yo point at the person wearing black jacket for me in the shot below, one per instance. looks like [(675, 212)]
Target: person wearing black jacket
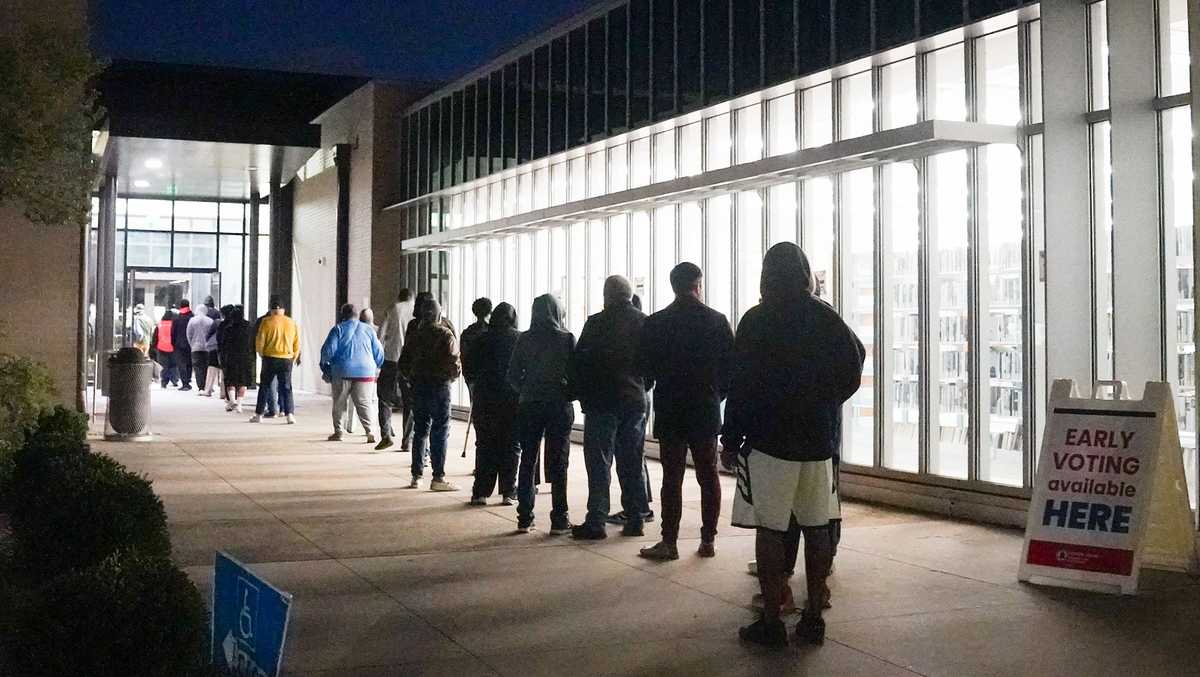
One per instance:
[(183, 348), (795, 364), (613, 396), (430, 362), (481, 308), (494, 407), (685, 349)]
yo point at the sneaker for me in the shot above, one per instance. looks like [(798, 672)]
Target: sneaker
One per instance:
[(185, 389), (619, 518), (229, 406), (752, 567), (772, 634), (561, 528), (269, 414), (256, 418), (478, 501), (661, 551), (588, 532), (371, 439), (237, 408), (291, 419), (524, 527), (810, 629), (633, 530), (706, 549), (336, 437), (415, 483), (509, 500), (385, 443), (442, 485)]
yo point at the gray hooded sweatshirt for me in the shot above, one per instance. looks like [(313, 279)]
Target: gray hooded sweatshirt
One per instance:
[(538, 369)]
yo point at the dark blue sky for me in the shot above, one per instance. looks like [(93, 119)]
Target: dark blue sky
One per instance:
[(397, 39)]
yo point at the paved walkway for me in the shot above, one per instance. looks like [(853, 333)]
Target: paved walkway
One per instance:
[(390, 581)]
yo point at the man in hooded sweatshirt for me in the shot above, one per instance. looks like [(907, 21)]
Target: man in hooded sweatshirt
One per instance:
[(613, 396), (795, 364), (350, 359), (391, 391), (538, 371), (430, 361), (179, 341), (494, 408), (197, 336)]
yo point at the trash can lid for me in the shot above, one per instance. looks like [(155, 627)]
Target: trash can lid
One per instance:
[(127, 355)]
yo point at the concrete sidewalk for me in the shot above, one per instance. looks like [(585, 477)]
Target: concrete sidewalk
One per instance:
[(390, 580)]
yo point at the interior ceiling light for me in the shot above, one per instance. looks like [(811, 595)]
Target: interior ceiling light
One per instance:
[(141, 183), (153, 163)]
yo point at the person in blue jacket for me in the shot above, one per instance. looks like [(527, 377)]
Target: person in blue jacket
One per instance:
[(350, 362)]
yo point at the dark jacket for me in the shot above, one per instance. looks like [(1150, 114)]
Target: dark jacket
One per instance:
[(603, 367), (540, 361), (685, 348), (430, 354), (795, 364), (179, 327), (235, 346), (467, 344), (491, 357)]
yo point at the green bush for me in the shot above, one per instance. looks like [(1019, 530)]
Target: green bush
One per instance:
[(58, 432), (26, 390), (131, 614), (79, 508)]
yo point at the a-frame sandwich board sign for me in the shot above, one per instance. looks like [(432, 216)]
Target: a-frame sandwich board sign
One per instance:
[(1110, 495)]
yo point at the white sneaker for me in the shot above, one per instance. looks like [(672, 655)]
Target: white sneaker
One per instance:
[(415, 483), (441, 485), (237, 408), (256, 419), (229, 406), (291, 419)]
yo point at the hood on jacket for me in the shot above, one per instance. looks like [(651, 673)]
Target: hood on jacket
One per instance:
[(504, 316), (546, 314), (786, 274), (430, 312)]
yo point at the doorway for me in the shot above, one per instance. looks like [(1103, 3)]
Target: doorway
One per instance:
[(161, 289)]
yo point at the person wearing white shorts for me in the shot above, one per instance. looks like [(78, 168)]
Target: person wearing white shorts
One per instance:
[(795, 363)]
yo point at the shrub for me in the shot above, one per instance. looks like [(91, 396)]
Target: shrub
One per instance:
[(58, 432), (82, 508), (131, 614), (26, 390)]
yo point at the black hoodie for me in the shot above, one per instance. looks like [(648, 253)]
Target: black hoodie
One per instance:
[(542, 355), (492, 353)]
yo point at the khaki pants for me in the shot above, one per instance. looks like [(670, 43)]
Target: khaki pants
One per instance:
[(362, 394)]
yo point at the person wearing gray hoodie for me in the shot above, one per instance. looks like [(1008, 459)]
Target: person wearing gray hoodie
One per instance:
[(538, 371)]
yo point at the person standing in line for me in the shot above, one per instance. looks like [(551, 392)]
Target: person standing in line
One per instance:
[(183, 348), (278, 342), (795, 364), (539, 372), (164, 349), (494, 408), (350, 360), (269, 391), (197, 334), (215, 377), (685, 349), (613, 397), (430, 361), (142, 329), (481, 308), (618, 518), (391, 332), (236, 357)]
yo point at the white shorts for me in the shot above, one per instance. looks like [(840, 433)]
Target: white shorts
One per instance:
[(771, 491)]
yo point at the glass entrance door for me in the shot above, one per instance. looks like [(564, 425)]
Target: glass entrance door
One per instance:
[(158, 290)]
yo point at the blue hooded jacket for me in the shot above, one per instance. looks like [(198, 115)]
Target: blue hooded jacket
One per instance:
[(352, 350)]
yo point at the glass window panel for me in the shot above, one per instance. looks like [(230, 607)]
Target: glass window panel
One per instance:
[(497, 254), (816, 116), (817, 233), (618, 71), (858, 309), (541, 188), (781, 121), (579, 175), (894, 23), (946, 88), (447, 136), (469, 113), (456, 137), (749, 249), (982, 8), (526, 115), (524, 192), (495, 200), (483, 125), (950, 372), (232, 217), (781, 213), (639, 162), (1002, 459), (718, 269), (481, 204), (664, 256), (687, 51), (691, 233), (779, 40), (541, 101), (595, 178), (468, 207), (1102, 224), (718, 144), (664, 155), (618, 249), (558, 95), (597, 267), (541, 262), (663, 70), (511, 115), (940, 15), (510, 196), (618, 168), (1000, 90), (1035, 71), (524, 273), (1173, 47), (815, 29), (577, 87), (558, 263), (427, 148), (264, 275), (195, 250), (903, 390), (747, 47), (577, 305), (899, 84), (1180, 272), (1098, 54), (717, 73), (597, 87), (147, 214), (148, 249), (639, 63), (639, 256), (231, 267), (691, 150), (853, 26), (749, 134), (264, 218), (558, 183), (857, 106)]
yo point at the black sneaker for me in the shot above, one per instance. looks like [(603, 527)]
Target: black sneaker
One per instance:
[(619, 518), (185, 388), (588, 532), (524, 527), (633, 530), (810, 629), (766, 633), (269, 414), (560, 528)]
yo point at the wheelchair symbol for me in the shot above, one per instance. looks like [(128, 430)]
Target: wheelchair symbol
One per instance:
[(248, 614)]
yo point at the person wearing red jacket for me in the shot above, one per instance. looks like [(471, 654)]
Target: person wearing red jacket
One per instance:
[(164, 350)]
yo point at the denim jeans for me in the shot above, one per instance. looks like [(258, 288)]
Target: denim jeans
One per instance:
[(551, 421), (276, 371), (615, 434), (431, 419)]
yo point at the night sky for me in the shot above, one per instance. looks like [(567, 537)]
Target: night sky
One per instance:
[(433, 40)]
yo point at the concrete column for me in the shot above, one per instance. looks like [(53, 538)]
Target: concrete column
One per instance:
[(282, 204), (252, 254), (342, 162), (1069, 328), (1137, 228), (106, 254)]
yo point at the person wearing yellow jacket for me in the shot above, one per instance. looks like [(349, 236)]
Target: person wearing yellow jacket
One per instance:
[(278, 342)]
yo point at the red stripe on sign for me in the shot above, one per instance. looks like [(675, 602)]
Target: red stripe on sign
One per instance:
[(1081, 557)]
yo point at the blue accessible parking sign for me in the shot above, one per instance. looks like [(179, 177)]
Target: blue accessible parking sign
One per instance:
[(249, 620)]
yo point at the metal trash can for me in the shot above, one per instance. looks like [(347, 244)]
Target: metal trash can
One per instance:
[(128, 414)]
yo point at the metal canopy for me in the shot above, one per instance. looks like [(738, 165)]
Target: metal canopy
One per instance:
[(895, 145)]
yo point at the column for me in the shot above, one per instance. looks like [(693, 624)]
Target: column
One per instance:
[(252, 254), (106, 254)]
